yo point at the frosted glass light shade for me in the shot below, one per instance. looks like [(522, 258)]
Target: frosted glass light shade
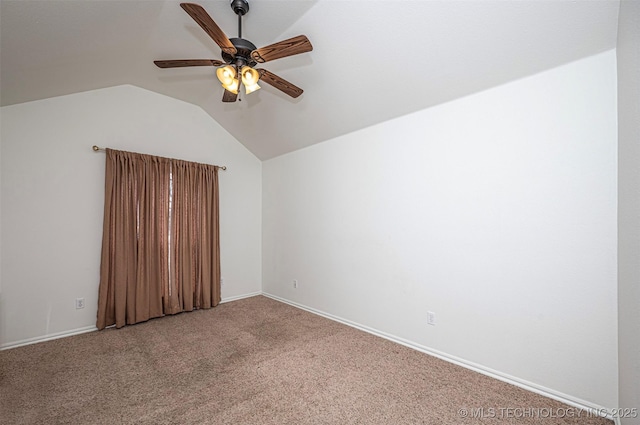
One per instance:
[(249, 76), (250, 79), (233, 87), (226, 74)]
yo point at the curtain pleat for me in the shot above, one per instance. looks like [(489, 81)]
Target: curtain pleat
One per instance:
[(160, 246), (196, 235)]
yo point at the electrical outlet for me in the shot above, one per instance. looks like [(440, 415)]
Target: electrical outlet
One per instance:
[(222, 281), (79, 303), (431, 318), (295, 283)]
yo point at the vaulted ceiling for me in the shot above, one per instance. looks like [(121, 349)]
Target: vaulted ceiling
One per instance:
[(372, 60)]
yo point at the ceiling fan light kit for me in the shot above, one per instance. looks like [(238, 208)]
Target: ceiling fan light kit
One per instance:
[(240, 56), (228, 77)]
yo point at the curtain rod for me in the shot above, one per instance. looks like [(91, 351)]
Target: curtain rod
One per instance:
[(98, 148)]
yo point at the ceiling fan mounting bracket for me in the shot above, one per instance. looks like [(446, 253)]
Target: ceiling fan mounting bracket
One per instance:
[(240, 7)]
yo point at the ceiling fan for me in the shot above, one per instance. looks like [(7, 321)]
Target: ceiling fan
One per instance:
[(240, 55)]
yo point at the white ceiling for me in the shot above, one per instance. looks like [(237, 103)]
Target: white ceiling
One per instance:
[(372, 60)]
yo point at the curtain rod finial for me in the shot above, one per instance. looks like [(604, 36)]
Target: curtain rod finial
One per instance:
[(95, 148)]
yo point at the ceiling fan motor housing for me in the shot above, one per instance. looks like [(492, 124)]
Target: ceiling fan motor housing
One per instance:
[(243, 54), (240, 7)]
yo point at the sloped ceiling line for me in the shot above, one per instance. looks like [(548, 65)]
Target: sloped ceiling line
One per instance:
[(372, 61)]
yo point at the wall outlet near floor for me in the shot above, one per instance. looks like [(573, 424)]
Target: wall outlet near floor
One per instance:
[(295, 283), (79, 303), (431, 318), (222, 281)]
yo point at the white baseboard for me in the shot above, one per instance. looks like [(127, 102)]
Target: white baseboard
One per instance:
[(239, 297), (538, 389), (86, 329), (529, 386), (47, 337)]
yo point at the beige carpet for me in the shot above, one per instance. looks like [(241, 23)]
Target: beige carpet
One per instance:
[(253, 361)]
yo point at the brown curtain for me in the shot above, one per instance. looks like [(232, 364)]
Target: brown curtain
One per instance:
[(160, 242)]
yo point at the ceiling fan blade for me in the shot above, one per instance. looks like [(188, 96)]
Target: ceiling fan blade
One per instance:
[(279, 83), (281, 49), (179, 63), (209, 26), (229, 97)]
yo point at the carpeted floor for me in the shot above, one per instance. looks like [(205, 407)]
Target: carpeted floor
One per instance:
[(254, 361)]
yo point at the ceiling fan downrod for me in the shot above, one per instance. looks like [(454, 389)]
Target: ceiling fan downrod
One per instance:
[(243, 47), (240, 8)]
